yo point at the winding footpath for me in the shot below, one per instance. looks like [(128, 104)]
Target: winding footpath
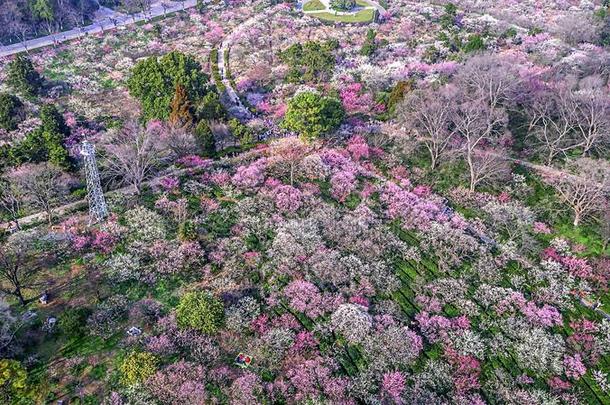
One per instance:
[(107, 19), (236, 106)]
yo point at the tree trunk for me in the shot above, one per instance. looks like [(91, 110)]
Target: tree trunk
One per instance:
[(19, 296), (576, 219), (472, 173)]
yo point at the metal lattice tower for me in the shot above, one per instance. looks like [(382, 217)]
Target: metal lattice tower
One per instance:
[(98, 210)]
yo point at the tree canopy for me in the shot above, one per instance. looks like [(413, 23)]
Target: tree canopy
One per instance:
[(154, 80), (309, 61), (45, 143), (23, 77), (10, 111), (311, 115)]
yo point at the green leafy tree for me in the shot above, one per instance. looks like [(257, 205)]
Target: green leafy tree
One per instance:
[(11, 111), (137, 367), (72, 321), (342, 5), (13, 381), (210, 108), (242, 132), (201, 311), (311, 115), (45, 143), (205, 139), (370, 45), (22, 76), (43, 10), (311, 61), (153, 82)]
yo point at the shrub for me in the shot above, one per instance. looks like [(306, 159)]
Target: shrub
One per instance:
[(342, 5), (201, 311), (188, 231), (73, 320), (13, 381), (137, 367)]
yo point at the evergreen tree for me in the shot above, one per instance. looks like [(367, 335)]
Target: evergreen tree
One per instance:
[(370, 46), (311, 115), (154, 80), (205, 139), (45, 143), (180, 114), (11, 111), (311, 61), (242, 132), (210, 108), (448, 19), (43, 10), (475, 43), (22, 76)]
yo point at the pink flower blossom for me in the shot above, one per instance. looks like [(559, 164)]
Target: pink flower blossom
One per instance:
[(541, 228), (342, 184), (169, 183), (544, 316), (288, 198), (358, 148), (250, 176), (194, 161), (574, 368), (393, 384), (557, 384), (304, 297)]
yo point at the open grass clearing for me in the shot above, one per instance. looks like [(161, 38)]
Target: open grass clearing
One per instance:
[(313, 5)]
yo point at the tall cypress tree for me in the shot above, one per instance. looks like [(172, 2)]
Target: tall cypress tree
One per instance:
[(180, 109)]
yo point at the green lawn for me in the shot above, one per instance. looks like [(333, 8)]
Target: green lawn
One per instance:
[(359, 17), (313, 5)]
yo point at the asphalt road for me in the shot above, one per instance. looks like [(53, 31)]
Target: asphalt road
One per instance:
[(107, 20)]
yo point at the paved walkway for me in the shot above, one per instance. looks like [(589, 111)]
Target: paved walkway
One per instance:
[(106, 19), (237, 108)]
